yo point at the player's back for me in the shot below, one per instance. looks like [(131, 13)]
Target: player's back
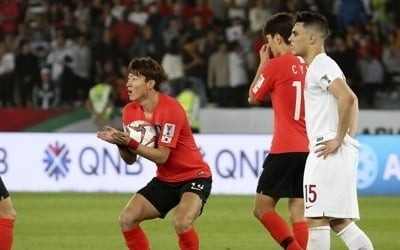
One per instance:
[(288, 104)]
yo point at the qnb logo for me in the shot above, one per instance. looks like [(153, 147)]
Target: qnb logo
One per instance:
[(367, 167), (57, 161)]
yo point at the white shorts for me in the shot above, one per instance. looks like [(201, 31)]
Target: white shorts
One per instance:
[(330, 184)]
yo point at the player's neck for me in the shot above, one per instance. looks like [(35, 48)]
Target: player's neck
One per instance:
[(313, 53), (150, 102), (283, 50)]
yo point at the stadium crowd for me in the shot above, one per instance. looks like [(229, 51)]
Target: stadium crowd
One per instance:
[(53, 51)]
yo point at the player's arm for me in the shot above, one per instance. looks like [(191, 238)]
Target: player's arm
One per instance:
[(129, 148), (127, 154), (347, 108), (121, 140), (354, 119), (157, 155), (264, 56)]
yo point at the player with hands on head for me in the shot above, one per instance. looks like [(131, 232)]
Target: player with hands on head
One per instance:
[(281, 74), (330, 175), (183, 179)]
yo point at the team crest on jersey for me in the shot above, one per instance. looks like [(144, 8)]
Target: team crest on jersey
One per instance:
[(168, 132), (326, 79)]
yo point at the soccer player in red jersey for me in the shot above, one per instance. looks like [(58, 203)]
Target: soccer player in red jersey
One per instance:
[(281, 74), (183, 179), (7, 217)]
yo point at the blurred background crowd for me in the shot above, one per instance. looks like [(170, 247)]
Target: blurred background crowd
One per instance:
[(52, 52)]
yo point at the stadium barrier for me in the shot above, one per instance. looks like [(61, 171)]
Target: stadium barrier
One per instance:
[(80, 162), (260, 121)]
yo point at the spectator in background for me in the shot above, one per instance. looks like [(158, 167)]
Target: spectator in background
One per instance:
[(199, 8), (391, 59), (194, 67), (59, 59), (172, 62), (122, 93), (147, 44), (190, 102), (118, 10), (125, 33), (100, 104), (82, 67), (82, 11), (10, 12), (38, 41), (257, 16), (7, 67), (196, 28), (45, 95), (372, 76), (104, 50), (173, 30), (27, 68), (218, 75), (238, 78), (137, 14), (346, 57), (351, 12)]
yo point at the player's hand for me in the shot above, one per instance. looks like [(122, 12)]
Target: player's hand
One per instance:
[(107, 134), (121, 138), (327, 147), (265, 53)]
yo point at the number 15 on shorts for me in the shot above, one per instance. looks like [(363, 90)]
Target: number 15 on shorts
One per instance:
[(310, 193)]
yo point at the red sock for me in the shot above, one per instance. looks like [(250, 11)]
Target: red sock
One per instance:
[(300, 231), (136, 239), (6, 233), (188, 240), (279, 230)]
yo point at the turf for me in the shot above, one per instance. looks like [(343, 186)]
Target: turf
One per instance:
[(85, 221)]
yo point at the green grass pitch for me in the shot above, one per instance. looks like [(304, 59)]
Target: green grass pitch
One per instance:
[(86, 221)]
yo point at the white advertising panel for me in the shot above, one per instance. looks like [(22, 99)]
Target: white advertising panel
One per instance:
[(81, 162)]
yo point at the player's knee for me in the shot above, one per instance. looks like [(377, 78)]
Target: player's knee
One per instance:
[(9, 214), (126, 222), (259, 212), (182, 223)]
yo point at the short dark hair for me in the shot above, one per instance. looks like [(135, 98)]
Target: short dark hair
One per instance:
[(314, 19), (280, 23), (149, 68)]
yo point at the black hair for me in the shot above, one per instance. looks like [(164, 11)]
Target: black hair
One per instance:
[(149, 68), (281, 24), (315, 20)]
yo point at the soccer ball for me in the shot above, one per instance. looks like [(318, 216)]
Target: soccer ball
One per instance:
[(143, 132)]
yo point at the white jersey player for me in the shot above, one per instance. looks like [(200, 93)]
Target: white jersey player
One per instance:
[(331, 111)]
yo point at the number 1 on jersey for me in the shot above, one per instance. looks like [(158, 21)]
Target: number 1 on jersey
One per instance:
[(297, 85)]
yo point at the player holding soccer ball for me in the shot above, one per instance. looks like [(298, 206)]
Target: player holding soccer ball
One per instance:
[(282, 177), (7, 217), (183, 179)]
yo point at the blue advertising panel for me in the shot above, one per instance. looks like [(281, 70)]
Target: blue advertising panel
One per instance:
[(379, 165)]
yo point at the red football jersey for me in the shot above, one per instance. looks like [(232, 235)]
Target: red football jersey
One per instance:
[(185, 161), (284, 78)]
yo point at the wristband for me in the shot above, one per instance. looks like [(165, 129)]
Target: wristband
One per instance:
[(133, 144)]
